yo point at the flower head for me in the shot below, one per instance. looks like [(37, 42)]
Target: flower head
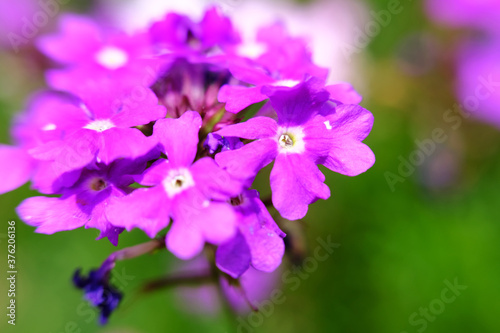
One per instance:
[(310, 130), (193, 195), (98, 290)]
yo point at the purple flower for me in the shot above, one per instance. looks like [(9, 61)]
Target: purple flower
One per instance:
[(310, 130), (286, 62), (40, 123), (179, 33), (193, 195), (258, 242), (479, 14), (86, 202), (477, 55), (98, 127), (98, 290), (244, 295), (478, 75), (89, 52)]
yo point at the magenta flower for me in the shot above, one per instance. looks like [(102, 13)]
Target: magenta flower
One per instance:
[(458, 13), (258, 242), (310, 130), (478, 87), (285, 62), (99, 126), (103, 146), (40, 123), (476, 55), (90, 52), (193, 195), (86, 202), (179, 33)]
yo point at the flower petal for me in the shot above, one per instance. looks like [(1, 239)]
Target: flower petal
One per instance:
[(254, 128), (351, 121), (233, 257), (295, 106), (213, 181), (145, 208), (244, 163), (75, 152), (124, 143), (184, 240), (139, 109), (349, 157), (179, 137), (238, 98), (78, 38), (217, 222), (51, 215), (344, 93), (296, 182), (16, 166)]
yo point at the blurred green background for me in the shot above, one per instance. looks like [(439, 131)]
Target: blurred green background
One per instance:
[(397, 247)]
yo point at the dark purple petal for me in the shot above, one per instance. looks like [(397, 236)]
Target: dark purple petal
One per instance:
[(216, 143), (233, 257), (295, 106)]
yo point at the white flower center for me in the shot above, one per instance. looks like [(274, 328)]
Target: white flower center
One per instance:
[(291, 140), (177, 180), (100, 125), (49, 127), (251, 49), (286, 83), (111, 57), (286, 141)]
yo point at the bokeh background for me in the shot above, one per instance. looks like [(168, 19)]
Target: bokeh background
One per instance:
[(398, 244)]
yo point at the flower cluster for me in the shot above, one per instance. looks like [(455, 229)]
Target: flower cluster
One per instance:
[(478, 68), (168, 128)]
